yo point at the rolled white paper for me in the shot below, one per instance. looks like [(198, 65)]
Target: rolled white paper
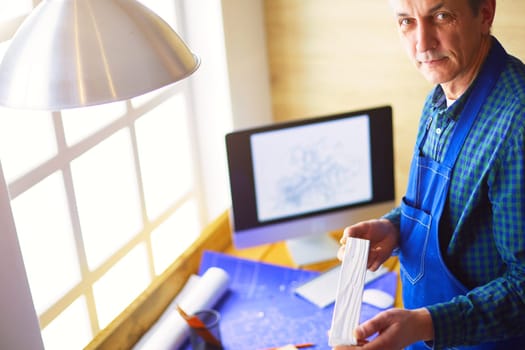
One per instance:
[(171, 331)]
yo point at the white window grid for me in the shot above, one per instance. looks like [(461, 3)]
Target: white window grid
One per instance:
[(61, 166)]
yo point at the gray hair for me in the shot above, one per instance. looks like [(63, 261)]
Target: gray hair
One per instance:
[(475, 5)]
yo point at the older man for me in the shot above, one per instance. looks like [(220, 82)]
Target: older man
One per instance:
[(460, 229)]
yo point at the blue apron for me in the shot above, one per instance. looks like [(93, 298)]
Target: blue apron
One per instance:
[(425, 277)]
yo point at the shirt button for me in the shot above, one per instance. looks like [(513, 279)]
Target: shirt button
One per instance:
[(439, 131)]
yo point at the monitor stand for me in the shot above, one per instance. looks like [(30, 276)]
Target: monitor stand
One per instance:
[(313, 249)]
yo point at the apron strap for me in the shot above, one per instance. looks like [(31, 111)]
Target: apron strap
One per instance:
[(484, 84)]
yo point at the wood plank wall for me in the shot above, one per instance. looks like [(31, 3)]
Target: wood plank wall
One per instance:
[(328, 56)]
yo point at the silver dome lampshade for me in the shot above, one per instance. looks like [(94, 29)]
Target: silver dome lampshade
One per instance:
[(74, 53)]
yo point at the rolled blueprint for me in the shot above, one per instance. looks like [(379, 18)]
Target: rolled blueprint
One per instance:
[(171, 331)]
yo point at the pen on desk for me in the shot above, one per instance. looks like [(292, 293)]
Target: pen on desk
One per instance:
[(298, 346), (199, 327)]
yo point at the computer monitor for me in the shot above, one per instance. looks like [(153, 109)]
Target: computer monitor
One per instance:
[(306, 178)]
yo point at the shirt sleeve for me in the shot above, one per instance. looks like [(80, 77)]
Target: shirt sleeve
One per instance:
[(495, 310), (394, 216)]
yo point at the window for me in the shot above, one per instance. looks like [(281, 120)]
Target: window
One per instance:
[(104, 198)]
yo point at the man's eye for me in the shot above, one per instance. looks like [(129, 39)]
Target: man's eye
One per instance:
[(404, 21), (442, 16)]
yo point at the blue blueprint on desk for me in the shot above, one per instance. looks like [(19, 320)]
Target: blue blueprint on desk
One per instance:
[(261, 310)]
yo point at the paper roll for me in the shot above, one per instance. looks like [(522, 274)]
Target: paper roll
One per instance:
[(171, 331)]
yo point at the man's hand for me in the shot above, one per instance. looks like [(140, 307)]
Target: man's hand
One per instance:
[(396, 329), (383, 237)]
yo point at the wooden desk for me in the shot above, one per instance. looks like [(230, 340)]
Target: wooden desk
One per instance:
[(132, 323)]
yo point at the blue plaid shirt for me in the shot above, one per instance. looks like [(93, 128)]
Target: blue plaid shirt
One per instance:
[(482, 231)]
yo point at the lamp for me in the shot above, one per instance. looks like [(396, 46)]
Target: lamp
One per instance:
[(67, 54), (74, 53)]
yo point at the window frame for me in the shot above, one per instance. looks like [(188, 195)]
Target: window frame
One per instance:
[(61, 163), (236, 107)]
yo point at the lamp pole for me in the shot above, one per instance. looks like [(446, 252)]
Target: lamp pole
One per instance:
[(19, 327)]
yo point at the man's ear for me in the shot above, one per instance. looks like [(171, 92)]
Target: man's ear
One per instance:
[(487, 12)]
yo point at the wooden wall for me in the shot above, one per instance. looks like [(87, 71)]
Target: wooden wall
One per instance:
[(328, 56)]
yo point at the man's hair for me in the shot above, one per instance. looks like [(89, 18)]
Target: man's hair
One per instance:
[(475, 5)]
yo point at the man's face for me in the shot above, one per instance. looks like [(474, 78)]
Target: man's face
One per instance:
[(443, 37)]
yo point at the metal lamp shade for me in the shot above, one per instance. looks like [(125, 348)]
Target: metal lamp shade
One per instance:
[(74, 53)]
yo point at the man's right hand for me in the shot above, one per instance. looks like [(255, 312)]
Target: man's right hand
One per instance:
[(382, 234)]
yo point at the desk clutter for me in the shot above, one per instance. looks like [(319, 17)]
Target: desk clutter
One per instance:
[(171, 332), (258, 304)]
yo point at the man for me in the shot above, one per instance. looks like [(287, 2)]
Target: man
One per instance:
[(460, 229)]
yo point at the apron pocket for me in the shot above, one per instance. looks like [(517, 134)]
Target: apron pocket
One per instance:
[(415, 234)]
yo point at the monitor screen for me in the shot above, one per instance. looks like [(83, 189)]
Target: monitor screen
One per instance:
[(310, 176)]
